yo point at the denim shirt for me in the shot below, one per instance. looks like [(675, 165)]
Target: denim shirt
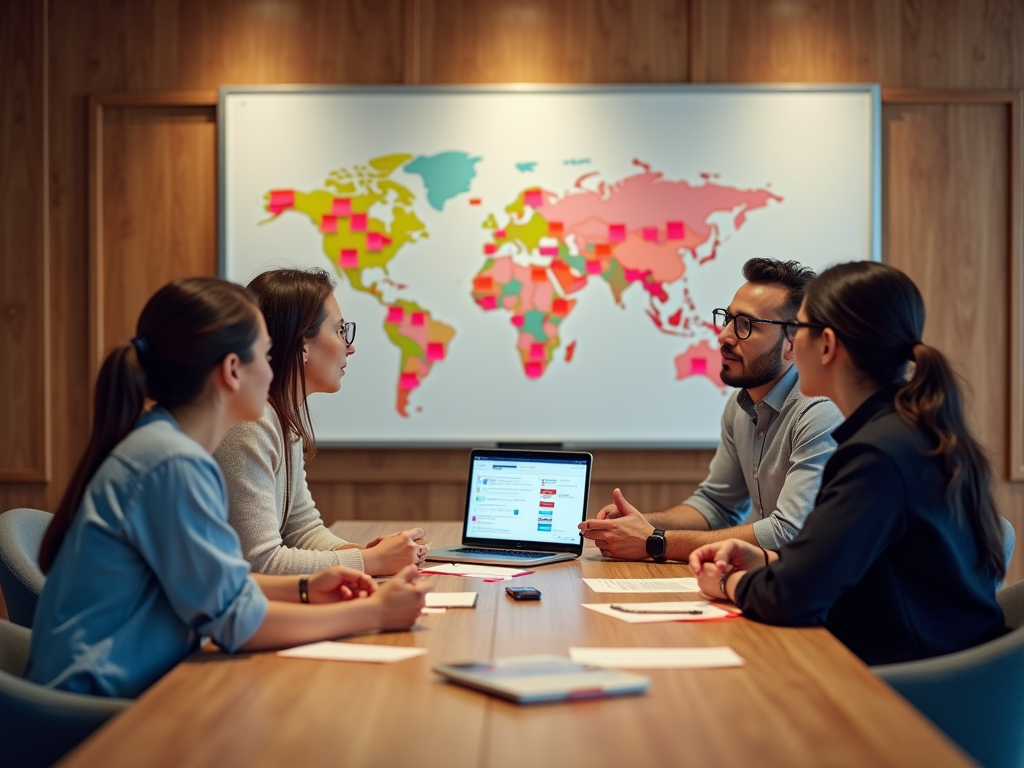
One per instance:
[(149, 566), (769, 461)]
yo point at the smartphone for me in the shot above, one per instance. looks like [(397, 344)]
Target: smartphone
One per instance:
[(523, 593)]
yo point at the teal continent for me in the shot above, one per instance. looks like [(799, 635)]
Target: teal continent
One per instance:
[(526, 167), (445, 175)]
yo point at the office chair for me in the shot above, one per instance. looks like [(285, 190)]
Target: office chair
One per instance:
[(975, 696), (21, 533), (40, 725), (1011, 599), (1009, 538)]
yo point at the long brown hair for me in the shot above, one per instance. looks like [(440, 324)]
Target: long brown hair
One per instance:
[(183, 333), (294, 305), (878, 314)]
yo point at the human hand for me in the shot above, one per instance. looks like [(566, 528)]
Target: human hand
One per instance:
[(389, 554), (401, 599), (609, 512), (622, 535), (712, 561), (339, 583)]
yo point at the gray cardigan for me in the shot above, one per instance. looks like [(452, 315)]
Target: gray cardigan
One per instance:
[(251, 456)]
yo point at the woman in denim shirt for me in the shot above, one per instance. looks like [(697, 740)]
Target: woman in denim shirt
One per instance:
[(142, 563)]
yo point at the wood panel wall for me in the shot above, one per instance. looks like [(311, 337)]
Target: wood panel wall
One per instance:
[(947, 216)]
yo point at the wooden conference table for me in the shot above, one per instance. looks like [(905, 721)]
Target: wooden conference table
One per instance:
[(801, 699)]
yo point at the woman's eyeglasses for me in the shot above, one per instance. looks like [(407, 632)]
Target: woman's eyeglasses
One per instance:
[(348, 331)]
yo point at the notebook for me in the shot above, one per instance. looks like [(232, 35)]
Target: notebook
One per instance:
[(522, 508), (536, 679)]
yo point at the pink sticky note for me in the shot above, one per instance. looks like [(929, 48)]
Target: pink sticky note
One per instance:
[(651, 234), (341, 206), (282, 198), (616, 232), (358, 222), (533, 198), (435, 351), (699, 366), (417, 318), (408, 381), (395, 314), (328, 223), (549, 250), (490, 248), (518, 321), (374, 241), (675, 230), (534, 370), (537, 352), (488, 302), (499, 234), (349, 258), (594, 268)]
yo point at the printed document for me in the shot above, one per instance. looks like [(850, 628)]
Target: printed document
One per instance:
[(657, 658), (332, 651), (643, 585)]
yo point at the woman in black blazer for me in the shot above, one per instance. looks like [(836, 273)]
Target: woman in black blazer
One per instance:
[(902, 555)]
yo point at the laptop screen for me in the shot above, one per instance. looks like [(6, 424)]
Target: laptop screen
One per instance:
[(531, 498)]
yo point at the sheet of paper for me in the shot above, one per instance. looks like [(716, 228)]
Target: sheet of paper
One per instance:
[(657, 658), (643, 585), (332, 651), (451, 599), (472, 570), (430, 609), (702, 612)]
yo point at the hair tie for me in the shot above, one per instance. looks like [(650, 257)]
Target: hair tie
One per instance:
[(141, 345), (911, 347)]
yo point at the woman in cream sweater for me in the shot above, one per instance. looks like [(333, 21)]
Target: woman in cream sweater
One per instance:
[(269, 503)]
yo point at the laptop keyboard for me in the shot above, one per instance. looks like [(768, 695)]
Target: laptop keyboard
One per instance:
[(500, 552)]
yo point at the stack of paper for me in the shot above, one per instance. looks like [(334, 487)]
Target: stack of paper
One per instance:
[(451, 599), (332, 651), (652, 613), (657, 658), (473, 571), (643, 585)]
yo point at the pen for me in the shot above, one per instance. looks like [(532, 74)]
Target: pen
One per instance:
[(627, 609)]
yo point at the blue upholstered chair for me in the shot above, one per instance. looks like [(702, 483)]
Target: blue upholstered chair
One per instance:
[(1009, 539), (39, 725), (21, 532), (975, 696)]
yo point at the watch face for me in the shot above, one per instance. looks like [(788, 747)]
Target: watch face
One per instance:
[(655, 545)]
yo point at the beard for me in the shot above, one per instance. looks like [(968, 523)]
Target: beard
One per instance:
[(756, 371)]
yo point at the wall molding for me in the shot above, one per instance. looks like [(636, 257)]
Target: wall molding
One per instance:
[(40, 471), (1013, 99), (98, 102)]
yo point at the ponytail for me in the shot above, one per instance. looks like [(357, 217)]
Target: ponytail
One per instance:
[(932, 401), (184, 331), (117, 404), (878, 314)]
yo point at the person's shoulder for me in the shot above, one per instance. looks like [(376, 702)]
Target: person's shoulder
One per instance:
[(157, 439), (264, 431), (816, 411), (887, 432)]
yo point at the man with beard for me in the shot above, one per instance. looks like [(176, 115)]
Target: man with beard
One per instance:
[(767, 470)]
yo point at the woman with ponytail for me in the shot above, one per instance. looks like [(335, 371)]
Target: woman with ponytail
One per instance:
[(142, 563), (902, 555)]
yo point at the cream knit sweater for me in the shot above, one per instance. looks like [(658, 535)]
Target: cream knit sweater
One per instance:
[(251, 456)]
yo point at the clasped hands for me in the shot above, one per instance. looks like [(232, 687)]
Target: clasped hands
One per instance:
[(713, 564), (388, 554)]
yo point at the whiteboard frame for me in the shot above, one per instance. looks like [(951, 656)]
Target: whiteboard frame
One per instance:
[(873, 90)]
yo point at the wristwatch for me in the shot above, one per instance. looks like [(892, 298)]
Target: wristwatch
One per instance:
[(656, 545)]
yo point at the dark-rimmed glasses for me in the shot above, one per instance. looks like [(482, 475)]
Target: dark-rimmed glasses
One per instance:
[(744, 324), (348, 331)]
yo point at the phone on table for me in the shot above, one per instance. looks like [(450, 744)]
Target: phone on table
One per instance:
[(523, 593)]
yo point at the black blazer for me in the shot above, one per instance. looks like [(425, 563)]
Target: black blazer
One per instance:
[(882, 561)]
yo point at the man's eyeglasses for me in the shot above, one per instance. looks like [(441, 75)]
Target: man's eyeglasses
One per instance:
[(744, 325), (348, 330)]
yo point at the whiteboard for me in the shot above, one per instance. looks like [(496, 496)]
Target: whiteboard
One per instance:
[(539, 264)]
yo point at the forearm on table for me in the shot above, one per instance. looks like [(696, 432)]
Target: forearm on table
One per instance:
[(287, 625), (681, 516), (281, 588), (679, 544)]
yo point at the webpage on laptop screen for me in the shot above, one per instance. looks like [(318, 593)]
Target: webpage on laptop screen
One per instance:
[(536, 500)]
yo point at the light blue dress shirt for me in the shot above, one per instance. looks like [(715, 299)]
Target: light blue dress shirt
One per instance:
[(148, 568), (767, 469)]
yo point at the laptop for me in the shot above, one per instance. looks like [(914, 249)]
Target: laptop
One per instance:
[(522, 508)]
